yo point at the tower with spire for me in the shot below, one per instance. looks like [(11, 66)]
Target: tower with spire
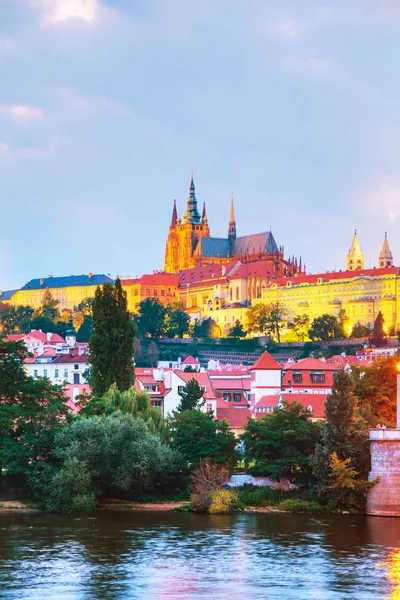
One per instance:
[(232, 224), (385, 257), (355, 256), (184, 235)]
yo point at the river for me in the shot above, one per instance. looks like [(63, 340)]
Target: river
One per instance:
[(151, 556)]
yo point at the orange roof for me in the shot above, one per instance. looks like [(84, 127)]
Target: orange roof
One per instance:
[(190, 360), (309, 364), (315, 401), (209, 273), (235, 417), (257, 268), (266, 363), (202, 379), (153, 279)]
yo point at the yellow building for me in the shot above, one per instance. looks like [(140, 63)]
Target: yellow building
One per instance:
[(6, 296), (161, 286), (68, 291), (361, 293)]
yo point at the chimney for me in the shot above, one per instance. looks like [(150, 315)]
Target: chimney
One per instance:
[(49, 336), (90, 275)]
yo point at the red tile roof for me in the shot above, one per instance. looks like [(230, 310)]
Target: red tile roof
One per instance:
[(202, 379), (266, 363), (315, 401), (207, 273), (162, 278), (190, 360), (257, 268), (73, 356), (309, 364), (235, 417)]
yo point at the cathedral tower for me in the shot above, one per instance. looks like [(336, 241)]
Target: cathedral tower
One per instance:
[(232, 224), (185, 235), (355, 256), (385, 257)]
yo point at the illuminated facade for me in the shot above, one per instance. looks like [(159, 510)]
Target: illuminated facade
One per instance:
[(68, 291), (361, 293), (189, 244), (161, 286)]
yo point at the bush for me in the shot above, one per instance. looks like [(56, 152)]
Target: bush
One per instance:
[(296, 505), (251, 495), (223, 502), (201, 501)]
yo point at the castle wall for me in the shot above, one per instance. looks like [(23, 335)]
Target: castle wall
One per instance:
[(384, 497)]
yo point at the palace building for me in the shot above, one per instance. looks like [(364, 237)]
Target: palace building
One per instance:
[(361, 293), (190, 244)]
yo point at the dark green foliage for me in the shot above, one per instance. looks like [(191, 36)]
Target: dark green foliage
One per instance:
[(199, 437), (191, 395), (112, 343), (281, 443), (151, 318), (85, 331), (16, 319), (324, 328), (43, 323), (208, 328), (176, 322), (237, 330), (344, 432), (152, 354), (112, 455), (378, 332), (360, 331)]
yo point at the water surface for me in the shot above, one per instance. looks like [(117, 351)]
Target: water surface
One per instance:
[(195, 557)]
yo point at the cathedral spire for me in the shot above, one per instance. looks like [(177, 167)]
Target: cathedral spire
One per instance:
[(355, 256), (204, 219), (232, 223), (385, 257), (192, 215), (174, 216)]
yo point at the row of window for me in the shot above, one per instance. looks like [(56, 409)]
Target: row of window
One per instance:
[(77, 377), (237, 396)]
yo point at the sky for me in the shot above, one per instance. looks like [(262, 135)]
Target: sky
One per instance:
[(292, 106)]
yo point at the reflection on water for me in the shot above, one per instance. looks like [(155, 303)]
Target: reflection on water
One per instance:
[(185, 556)]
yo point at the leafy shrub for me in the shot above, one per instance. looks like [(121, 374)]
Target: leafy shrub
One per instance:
[(251, 495), (223, 502), (208, 476), (201, 501), (297, 505)]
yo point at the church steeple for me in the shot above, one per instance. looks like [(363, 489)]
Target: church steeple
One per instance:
[(385, 257), (204, 219), (355, 256), (192, 215), (232, 224), (174, 219)]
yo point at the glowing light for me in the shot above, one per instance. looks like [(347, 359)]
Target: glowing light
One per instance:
[(398, 367), (393, 566)]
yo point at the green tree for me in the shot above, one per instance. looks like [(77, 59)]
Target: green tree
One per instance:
[(378, 332), (191, 395), (44, 323), (301, 325), (266, 319), (376, 388), (197, 436), (207, 328), (85, 331), (344, 432), (360, 331), (112, 343), (115, 455), (324, 328), (176, 321), (281, 443), (16, 319), (347, 488), (49, 307), (131, 401), (237, 330), (151, 318), (152, 354)]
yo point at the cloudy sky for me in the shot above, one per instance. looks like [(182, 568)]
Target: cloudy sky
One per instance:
[(106, 105)]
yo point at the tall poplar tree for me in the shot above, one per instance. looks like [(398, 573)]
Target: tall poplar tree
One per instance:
[(111, 346)]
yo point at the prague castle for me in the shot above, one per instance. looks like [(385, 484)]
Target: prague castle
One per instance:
[(189, 244)]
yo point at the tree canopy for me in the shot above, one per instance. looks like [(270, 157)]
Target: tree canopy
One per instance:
[(324, 328), (281, 443), (265, 319), (111, 346), (191, 396)]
